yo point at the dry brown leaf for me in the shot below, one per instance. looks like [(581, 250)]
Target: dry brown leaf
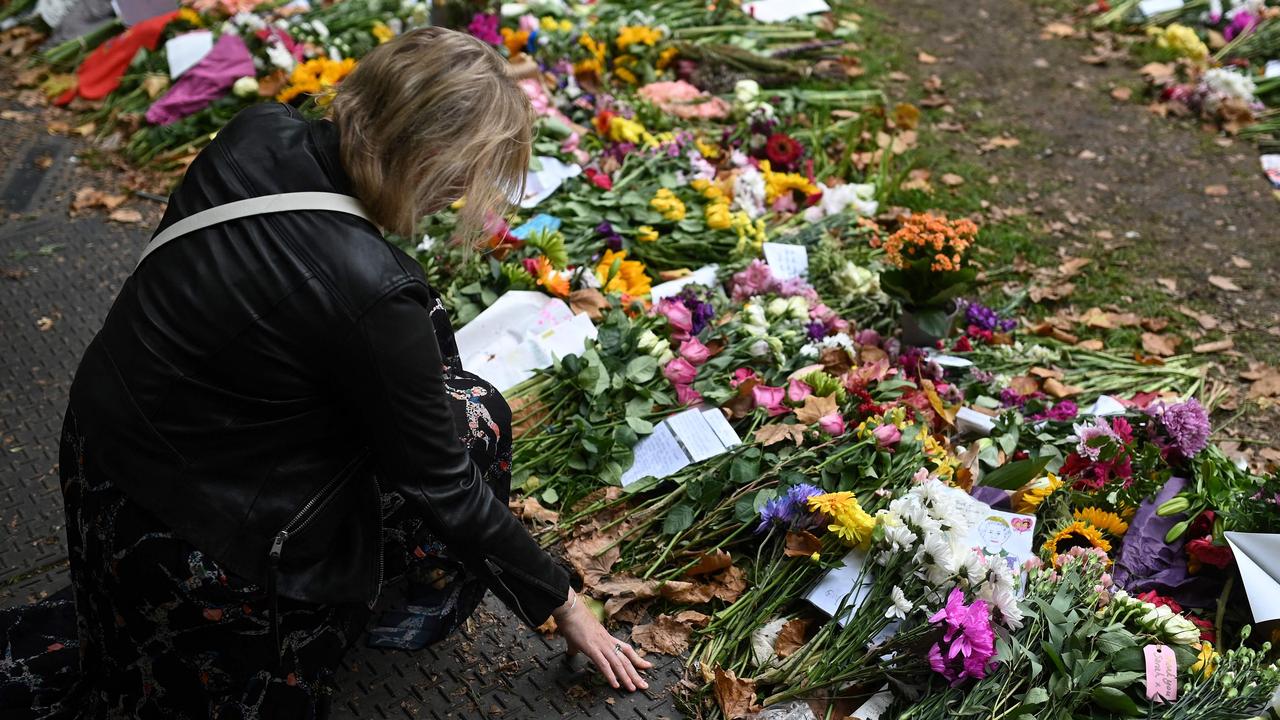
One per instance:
[(815, 408), (1059, 29), (688, 593), (999, 142), (1154, 325), (1224, 283), (1206, 321), (1056, 388), (1216, 190), (693, 618), (590, 301), (1159, 345), (1070, 267), (1095, 317), (712, 562), (1024, 385), (1215, 346), (664, 635), (906, 116), (770, 434), (154, 84), (792, 637), (1058, 291), (1267, 385), (592, 557), (531, 509), (1094, 345), (735, 696), (1121, 93), (126, 215), (1157, 71), (1045, 373), (925, 58), (1169, 284), (1240, 262), (730, 585), (802, 543), (952, 180)]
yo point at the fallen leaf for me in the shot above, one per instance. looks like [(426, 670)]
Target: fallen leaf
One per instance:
[(802, 543), (735, 696), (906, 116), (44, 324), (1169, 284), (1095, 317), (999, 142), (1215, 346), (1159, 345), (688, 593), (770, 434), (792, 637), (1059, 29), (1266, 386), (1157, 71), (664, 635), (154, 84), (590, 301), (1216, 190), (592, 556), (1206, 321), (1045, 373), (925, 58), (1240, 262), (1121, 93), (1056, 388), (1070, 267), (693, 618), (1224, 283), (712, 562), (1095, 345), (952, 180), (126, 215), (815, 408), (730, 585), (531, 509), (1024, 385)]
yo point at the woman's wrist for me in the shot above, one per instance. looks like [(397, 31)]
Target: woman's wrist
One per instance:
[(569, 604)]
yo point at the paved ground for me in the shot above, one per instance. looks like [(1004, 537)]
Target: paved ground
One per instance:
[(58, 276)]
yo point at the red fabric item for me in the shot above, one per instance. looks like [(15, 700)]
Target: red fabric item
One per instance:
[(101, 71)]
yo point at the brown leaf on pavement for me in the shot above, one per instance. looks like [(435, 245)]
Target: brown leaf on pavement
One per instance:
[(802, 543), (1224, 283), (664, 635), (925, 58), (1206, 321), (1267, 384), (592, 557), (44, 324), (1121, 93), (1159, 345), (730, 585), (996, 143), (693, 618), (735, 696), (771, 434), (1215, 346), (126, 215), (1216, 190)]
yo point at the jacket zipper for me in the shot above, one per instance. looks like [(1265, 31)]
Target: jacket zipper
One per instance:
[(497, 571), (530, 579), (377, 589), (310, 510)]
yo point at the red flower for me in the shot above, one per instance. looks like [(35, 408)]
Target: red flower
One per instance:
[(602, 122), (599, 179), (1202, 525), (1207, 631), (963, 345), (1158, 600), (1204, 551), (782, 150)]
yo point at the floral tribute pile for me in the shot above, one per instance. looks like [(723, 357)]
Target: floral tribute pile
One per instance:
[(1214, 59), (935, 509)]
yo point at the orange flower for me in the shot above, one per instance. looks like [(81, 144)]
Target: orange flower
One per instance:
[(554, 282), (944, 242)]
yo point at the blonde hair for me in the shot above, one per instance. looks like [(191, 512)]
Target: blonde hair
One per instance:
[(427, 119)]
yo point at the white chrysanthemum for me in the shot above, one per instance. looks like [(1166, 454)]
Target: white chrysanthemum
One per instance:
[(970, 567), (1224, 83), (835, 200), (749, 192), (1004, 601), (899, 537), (900, 606), (280, 56)]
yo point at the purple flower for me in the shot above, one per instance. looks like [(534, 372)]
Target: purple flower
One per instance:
[(1087, 438), (796, 286), (791, 509), (984, 318), (1061, 412), (1184, 426), (816, 330), (701, 311), (1243, 23)]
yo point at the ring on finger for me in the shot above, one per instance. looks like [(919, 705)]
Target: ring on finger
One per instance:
[(617, 647)]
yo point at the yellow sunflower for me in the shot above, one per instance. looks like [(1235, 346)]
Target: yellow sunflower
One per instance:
[(1077, 534), (1105, 521), (1034, 493)]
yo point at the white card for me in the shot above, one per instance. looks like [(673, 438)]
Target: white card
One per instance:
[(1003, 536), (839, 583), (787, 261), (951, 361), (875, 706), (184, 51), (1271, 167), (705, 275), (505, 323), (970, 421), (1105, 405), (540, 184), (1155, 7), (781, 10), (720, 425), (1272, 69), (567, 338), (1258, 557), (693, 432), (658, 455)]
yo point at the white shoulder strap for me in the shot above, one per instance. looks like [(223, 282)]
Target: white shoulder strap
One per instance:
[(265, 204)]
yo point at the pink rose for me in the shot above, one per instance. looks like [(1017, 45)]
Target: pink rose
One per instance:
[(678, 316), (686, 395), (680, 372), (769, 398), (694, 351), (887, 435), (742, 375), (831, 424), (798, 390)]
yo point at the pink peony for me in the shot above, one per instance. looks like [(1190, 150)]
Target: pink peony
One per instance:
[(887, 435), (680, 372), (831, 424), (694, 351), (686, 395), (798, 390), (769, 398)]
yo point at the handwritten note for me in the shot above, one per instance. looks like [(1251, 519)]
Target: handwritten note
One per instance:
[(1162, 673), (1272, 69), (787, 261), (685, 438), (782, 10), (849, 584), (566, 338)]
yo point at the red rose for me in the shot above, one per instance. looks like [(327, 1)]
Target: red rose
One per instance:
[(599, 179), (1158, 600), (1202, 525), (1203, 550)]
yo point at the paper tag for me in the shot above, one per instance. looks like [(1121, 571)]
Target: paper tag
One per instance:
[(1272, 69), (723, 430), (849, 584), (1155, 7), (705, 275), (1105, 405), (1162, 673), (875, 706), (787, 261), (1271, 166), (184, 51)]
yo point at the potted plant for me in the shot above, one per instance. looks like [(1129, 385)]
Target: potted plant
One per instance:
[(928, 255)]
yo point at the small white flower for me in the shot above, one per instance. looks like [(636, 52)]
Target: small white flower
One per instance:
[(749, 190), (321, 30), (798, 308), (777, 308), (279, 56), (901, 605), (899, 537), (245, 87)]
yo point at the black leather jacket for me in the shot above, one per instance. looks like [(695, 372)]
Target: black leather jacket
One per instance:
[(276, 373)]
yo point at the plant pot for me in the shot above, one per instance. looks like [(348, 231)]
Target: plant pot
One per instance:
[(926, 326)]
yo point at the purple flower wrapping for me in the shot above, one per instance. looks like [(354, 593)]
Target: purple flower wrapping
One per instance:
[(1147, 562)]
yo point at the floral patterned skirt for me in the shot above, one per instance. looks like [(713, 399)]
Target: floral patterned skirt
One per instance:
[(154, 628)]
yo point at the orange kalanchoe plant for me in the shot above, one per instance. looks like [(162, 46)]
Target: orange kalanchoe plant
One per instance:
[(928, 254)]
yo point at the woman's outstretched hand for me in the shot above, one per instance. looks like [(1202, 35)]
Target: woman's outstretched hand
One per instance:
[(618, 661)]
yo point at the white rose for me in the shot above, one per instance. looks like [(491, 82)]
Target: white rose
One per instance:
[(798, 308), (245, 87), (777, 308)]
